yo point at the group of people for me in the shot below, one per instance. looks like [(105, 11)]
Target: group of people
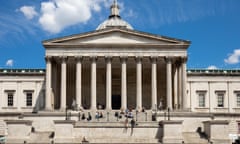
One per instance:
[(88, 118), (132, 124), (98, 115)]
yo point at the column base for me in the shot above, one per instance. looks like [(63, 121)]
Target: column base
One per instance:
[(63, 109), (48, 109)]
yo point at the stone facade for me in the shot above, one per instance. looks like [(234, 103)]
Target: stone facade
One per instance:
[(116, 68)]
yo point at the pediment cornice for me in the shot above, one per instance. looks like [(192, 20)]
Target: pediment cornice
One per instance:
[(115, 37)]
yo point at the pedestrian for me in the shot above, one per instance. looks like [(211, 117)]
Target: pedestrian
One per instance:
[(126, 124), (83, 116), (132, 125), (89, 117)]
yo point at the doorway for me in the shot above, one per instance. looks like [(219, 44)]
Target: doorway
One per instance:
[(116, 101)]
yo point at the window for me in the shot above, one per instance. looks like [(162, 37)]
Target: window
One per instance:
[(220, 99), (29, 99), (201, 99), (10, 99), (238, 99)]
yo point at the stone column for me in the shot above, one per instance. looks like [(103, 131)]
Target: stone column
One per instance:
[(154, 82), (180, 86), (108, 83), (176, 86), (184, 82), (93, 83), (169, 82), (48, 98), (63, 83), (124, 83), (79, 82), (139, 83)]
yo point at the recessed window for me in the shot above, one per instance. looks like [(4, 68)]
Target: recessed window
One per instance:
[(238, 99), (29, 99), (220, 99), (201, 99), (10, 99)]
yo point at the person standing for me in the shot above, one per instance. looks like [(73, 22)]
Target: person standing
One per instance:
[(126, 124), (132, 125)]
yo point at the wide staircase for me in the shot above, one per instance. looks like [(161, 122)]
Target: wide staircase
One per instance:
[(117, 132)]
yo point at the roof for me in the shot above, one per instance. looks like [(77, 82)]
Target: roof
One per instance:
[(194, 72), (114, 19), (215, 72), (116, 29), (22, 71)]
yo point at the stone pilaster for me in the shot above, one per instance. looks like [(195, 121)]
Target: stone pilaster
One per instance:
[(184, 82)]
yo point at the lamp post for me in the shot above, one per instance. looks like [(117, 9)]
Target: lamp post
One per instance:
[(79, 116), (145, 116), (66, 116), (107, 116), (136, 114), (168, 113)]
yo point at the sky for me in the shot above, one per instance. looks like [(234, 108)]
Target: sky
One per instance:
[(212, 26)]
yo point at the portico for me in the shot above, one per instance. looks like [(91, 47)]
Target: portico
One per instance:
[(116, 67), (88, 79)]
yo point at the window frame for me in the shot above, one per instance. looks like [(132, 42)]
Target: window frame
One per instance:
[(29, 99), (201, 93), (237, 96), (28, 102), (220, 101), (10, 99)]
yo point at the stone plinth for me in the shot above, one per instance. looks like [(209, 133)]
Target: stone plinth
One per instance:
[(172, 132), (18, 131), (217, 131), (64, 131)]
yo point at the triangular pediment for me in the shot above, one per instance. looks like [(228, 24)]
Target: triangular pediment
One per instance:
[(115, 36)]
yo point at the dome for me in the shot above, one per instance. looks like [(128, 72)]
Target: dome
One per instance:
[(114, 19), (114, 22)]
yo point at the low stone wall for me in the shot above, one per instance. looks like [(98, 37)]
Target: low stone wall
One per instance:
[(217, 131), (172, 132), (96, 132), (18, 131)]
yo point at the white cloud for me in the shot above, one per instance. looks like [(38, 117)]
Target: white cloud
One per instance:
[(28, 11), (9, 62), (212, 67), (233, 58), (59, 14)]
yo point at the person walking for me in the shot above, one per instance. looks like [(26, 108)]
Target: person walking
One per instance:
[(126, 125)]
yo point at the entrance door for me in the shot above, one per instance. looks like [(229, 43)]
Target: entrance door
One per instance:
[(116, 101)]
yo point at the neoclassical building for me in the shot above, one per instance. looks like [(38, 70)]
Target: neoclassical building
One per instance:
[(117, 67)]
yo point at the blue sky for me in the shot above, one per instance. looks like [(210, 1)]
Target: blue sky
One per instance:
[(213, 27)]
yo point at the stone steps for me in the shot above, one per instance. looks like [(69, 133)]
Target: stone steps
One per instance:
[(40, 137), (109, 116), (194, 138), (233, 127), (125, 140), (3, 128)]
